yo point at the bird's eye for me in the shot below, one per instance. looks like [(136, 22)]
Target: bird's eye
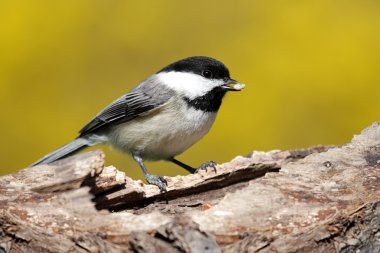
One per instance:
[(207, 73)]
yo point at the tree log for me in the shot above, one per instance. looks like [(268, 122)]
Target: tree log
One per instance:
[(322, 199)]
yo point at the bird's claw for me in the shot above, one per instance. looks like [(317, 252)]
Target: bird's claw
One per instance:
[(206, 165), (159, 181)]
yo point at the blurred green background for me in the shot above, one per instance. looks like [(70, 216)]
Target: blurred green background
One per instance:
[(312, 70)]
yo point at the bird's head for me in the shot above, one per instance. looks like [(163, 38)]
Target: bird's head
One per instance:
[(196, 76)]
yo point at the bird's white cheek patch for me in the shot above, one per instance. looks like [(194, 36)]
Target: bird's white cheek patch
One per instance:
[(189, 84)]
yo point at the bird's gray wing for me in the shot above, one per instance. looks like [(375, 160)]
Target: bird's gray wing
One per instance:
[(143, 98)]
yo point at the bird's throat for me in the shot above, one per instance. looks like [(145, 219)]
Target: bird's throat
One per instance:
[(210, 102)]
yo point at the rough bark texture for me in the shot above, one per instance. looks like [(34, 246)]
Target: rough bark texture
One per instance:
[(322, 199)]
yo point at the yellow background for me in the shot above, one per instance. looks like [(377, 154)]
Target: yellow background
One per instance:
[(312, 70)]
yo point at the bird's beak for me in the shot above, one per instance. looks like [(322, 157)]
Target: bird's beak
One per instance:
[(232, 85)]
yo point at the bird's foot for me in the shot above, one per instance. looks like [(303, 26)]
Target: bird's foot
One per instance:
[(159, 181), (206, 165)]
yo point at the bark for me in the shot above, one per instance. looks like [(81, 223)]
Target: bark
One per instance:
[(322, 199)]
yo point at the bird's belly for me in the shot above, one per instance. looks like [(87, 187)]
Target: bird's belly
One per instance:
[(165, 134)]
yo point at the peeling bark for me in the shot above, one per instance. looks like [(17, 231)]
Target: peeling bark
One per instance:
[(322, 199)]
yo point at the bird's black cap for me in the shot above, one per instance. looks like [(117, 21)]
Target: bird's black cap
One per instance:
[(200, 65)]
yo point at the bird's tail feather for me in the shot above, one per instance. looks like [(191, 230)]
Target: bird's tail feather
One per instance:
[(69, 149)]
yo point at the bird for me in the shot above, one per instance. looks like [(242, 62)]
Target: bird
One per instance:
[(161, 117)]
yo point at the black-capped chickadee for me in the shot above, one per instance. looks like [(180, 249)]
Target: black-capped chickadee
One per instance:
[(161, 117)]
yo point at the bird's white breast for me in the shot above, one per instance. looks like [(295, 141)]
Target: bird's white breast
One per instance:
[(163, 133)]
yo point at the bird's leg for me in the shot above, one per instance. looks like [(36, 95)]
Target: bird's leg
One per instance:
[(192, 170), (185, 166), (150, 178)]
